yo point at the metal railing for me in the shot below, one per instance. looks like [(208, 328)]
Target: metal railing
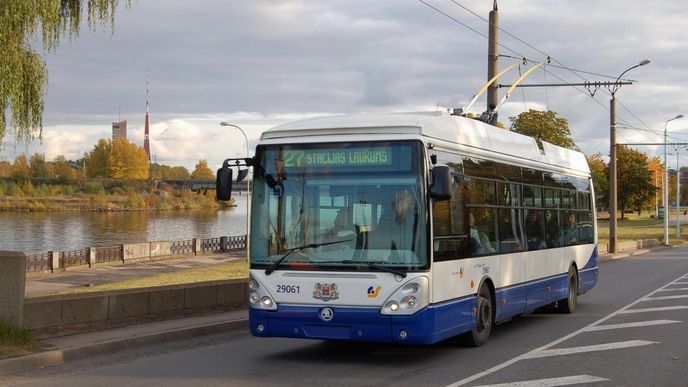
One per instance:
[(60, 260)]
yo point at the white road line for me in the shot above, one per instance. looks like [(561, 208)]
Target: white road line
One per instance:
[(589, 348), (666, 290), (547, 346), (630, 325), (662, 309), (665, 297), (565, 381), (679, 283)]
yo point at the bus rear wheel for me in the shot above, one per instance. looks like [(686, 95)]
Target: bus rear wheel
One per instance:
[(484, 319), (568, 304)]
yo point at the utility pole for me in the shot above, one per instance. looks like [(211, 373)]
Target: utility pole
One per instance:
[(492, 57)]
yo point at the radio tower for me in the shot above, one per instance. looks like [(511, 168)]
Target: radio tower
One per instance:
[(146, 142)]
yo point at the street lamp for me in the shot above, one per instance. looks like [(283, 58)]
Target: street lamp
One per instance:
[(665, 198), (612, 158), (224, 123)]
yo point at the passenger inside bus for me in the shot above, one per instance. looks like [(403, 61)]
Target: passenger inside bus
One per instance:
[(480, 242), (394, 229)]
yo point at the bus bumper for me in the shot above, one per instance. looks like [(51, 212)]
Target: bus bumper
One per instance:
[(429, 325)]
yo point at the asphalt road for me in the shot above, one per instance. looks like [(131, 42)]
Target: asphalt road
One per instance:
[(630, 330)]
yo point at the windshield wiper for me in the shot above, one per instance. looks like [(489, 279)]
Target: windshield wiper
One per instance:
[(377, 266), (281, 259)]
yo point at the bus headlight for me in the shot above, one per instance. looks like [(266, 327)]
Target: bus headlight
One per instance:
[(253, 284), (258, 296), (409, 298)]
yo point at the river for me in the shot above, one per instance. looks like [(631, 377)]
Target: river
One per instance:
[(39, 232)]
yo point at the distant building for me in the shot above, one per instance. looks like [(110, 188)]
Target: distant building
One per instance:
[(119, 130)]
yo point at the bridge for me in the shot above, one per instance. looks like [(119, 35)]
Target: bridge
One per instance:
[(204, 185)]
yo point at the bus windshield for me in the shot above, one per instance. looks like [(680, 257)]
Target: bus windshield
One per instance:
[(340, 206)]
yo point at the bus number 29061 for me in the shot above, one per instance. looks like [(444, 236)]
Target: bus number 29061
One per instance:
[(288, 289)]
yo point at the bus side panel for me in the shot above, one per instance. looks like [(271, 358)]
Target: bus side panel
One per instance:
[(511, 293), (588, 275), (537, 287), (436, 323), (511, 301)]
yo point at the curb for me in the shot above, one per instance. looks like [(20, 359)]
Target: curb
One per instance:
[(60, 356)]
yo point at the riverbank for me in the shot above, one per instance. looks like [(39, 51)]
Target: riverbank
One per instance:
[(93, 196)]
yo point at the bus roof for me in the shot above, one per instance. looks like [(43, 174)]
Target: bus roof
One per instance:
[(442, 130)]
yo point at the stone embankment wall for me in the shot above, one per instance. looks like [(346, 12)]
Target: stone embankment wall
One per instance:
[(64, 314)]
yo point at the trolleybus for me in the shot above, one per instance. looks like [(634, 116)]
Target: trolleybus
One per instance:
[(411, 228)]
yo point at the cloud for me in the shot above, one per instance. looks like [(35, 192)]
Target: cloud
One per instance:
[(283, 59)]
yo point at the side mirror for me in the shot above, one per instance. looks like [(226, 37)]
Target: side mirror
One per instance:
[(440, 189), (223, 183)]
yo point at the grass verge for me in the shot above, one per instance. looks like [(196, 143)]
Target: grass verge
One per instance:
[(15, 341), (224, 271), (635, 227)]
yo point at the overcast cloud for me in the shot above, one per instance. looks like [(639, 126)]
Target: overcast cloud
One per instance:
[(263, 62)]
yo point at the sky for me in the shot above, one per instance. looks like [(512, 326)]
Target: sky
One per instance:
[(260, 63)]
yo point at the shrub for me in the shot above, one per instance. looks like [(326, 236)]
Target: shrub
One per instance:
[(136, 201), (13, 189), (93, 187)]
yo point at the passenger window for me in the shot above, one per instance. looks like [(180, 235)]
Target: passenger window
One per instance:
[(535, 229), (449, 224), (483, 231), (510, 234)]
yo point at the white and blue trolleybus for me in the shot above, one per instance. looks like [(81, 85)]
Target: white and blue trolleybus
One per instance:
[(411, 228)]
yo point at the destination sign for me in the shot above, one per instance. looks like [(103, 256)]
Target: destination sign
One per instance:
[(338, 157)]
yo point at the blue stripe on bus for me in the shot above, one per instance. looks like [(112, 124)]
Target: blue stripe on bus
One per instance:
[(430, 325)]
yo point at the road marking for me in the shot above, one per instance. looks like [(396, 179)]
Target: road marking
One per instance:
[(666, 290), (630, 325), (679, 283), (662, 309), (550, 345), (665, 298), (565, 381), (589, 348)]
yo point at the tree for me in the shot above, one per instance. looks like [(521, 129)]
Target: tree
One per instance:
[(120, 159), (23, 74), (5, 168), (656, 167), (202, 171), (63, 170), (97, 159), (600, 178), (635, 179), (38, 165), (544, 126), (21, 171), (127, 161)]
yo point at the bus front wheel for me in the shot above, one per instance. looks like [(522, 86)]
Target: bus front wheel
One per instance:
[(568, 304), (484, 319)]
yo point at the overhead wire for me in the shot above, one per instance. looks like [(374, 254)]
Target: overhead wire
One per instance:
[(561, 65)]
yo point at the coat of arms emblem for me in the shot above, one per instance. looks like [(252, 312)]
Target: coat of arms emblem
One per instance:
[(325, 292)]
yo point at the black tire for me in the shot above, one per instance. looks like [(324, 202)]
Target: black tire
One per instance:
[(484, 319), (568, 304)]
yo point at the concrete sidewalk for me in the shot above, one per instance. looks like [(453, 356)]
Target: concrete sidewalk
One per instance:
[(78, 346), (39, 284)]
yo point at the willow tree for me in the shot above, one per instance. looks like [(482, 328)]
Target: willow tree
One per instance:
[(23, 73)]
